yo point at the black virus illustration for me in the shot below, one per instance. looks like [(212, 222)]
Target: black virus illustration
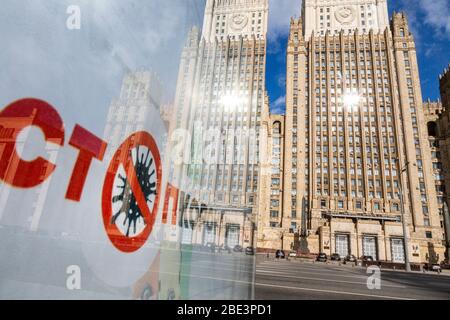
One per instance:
[(130, 206)]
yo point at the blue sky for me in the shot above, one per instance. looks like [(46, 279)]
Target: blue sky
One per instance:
[(81, 71), (429, 21)]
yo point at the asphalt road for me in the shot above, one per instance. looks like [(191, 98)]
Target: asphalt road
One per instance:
[(206, 276), (35, 267), (293, 280)]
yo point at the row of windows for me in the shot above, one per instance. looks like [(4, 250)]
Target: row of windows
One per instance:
[(321, 46)]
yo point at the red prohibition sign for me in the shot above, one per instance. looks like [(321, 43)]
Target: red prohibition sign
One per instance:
[(134, 183)]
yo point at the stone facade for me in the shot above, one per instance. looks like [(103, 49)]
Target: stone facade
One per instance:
[(218, 105), (356, 143), (432, 112), (443, 127), (270, 222), (335, 16), (140, 93)]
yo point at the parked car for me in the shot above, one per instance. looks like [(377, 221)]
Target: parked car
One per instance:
[(224, 248), (280, 254), (433, 267), (436, 268), (194, 247), (322, 257), (350, 258), (250, 251), (238, 248), (335, 257), (367, 259), (211, 247), (292, 254)]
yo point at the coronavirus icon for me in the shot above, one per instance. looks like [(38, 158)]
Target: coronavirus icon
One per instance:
[(131, 192), (129, 217)]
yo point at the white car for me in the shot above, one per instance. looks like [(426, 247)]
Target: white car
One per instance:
[(436, 268), (292, 254), (433, 267)]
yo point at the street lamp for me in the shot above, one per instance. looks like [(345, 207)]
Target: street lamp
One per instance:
[(405, 229)]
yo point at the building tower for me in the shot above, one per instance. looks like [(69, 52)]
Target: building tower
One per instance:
[(141, 92), (219, 98), (433, 111), (444, 140), (271, 176), (356, 148)]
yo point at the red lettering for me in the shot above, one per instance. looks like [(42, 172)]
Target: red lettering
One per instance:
[(171, 193), (90, 147), (13, 119)]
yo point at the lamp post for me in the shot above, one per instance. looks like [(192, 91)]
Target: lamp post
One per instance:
[(405, 228)]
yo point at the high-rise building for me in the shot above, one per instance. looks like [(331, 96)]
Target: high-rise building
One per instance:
[(270, 199), (337, 16), (432, 111), (443, 128), (357, 154), (219, 98), (140, 93), (444, 84)]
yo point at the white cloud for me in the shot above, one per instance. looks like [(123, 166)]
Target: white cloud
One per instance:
[(437, 15), (278, 106), (282, 81), (80, 71), (280, 13), (433, 13)]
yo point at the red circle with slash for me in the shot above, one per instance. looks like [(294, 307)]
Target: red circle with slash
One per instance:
[(123, 156)]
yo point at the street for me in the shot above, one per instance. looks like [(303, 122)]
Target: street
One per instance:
[(206, 276), (293, 280), (199, 275)]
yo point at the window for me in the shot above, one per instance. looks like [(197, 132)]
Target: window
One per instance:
[(277, 127), (370, 246), (294, 226), (429, 235), (341, 204), (342, 244), (432, 129), (397, 251), (395, 207)]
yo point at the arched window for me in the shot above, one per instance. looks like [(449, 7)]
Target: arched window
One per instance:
[(276, 127), (432, 129)]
